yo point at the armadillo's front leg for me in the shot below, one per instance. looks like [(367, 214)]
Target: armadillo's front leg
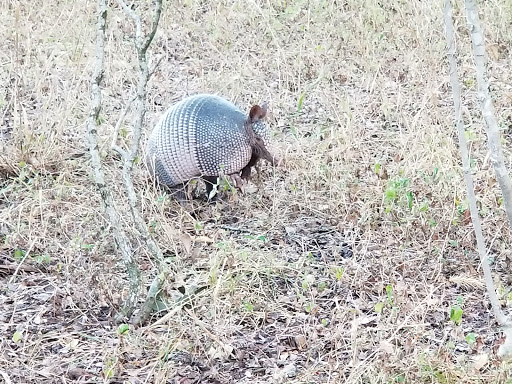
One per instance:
[(238, 182)]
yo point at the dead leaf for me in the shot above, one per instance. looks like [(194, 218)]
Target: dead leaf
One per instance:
[(203, 239), (186, 240), (480, 361), (387, 347)]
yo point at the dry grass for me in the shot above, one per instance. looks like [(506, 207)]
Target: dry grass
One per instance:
[(372, 166)]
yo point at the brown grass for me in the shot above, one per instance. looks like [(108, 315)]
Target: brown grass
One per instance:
[(371, 162)]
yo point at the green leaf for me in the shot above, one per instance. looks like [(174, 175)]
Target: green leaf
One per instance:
[(410, 199), (389, 292), (471, 338), (42, 259), (338, 273), (19, 254), (301, 101), (123, 328), (17, 337), (109, 372), (379, 307), (456, 314), (391, 194)]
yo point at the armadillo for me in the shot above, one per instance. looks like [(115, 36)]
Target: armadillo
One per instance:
[(206, 136)]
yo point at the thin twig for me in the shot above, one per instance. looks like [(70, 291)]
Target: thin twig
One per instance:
[(226, 347), (5, 377), (151, 73), (114, 145), (21, 262)]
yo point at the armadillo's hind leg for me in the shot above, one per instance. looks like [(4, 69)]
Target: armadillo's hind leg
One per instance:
[(180, 194)]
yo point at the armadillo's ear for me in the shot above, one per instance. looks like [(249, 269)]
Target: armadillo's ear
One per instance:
[(258, 113)]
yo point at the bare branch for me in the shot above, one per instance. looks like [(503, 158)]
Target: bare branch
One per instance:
[(454, 80), (141, 45), (130, 12), (487, 107), (99, 177), (157, 11), (156, 66), (496, 153)]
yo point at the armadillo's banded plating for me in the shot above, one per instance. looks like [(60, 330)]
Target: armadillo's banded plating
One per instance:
[(202, 135)]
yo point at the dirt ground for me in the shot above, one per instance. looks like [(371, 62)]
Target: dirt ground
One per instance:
[(350, 264)]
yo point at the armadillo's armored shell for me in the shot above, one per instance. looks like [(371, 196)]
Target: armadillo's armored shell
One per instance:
[(202, 135)]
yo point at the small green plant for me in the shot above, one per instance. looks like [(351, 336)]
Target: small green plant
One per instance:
[(42, 259), (379, 307), (17, 336), (110, 369), (338, 273), (456, 314), (462, 206), (212, 280), (100, 120), (398, 379), (248, 307), (261, 238), (470, 135), (389, 293), (122, 329), (307, 282), (398, 194), (293, 130), (87, 247), (509, 298), (453, 243), (19, 254), (301, 101), (471, 338)]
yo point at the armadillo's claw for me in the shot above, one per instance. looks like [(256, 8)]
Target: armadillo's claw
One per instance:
[(238, 182)]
